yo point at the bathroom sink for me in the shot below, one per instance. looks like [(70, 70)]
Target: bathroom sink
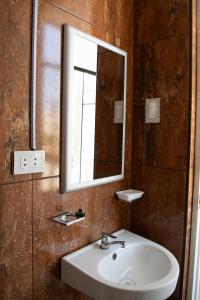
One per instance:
[(143, 270)]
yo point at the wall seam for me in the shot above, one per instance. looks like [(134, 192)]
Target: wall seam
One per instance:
[(89, 22), (29, 180), (162, 38)]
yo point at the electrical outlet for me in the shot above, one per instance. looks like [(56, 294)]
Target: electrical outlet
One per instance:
[(36, 160), (26, 162)]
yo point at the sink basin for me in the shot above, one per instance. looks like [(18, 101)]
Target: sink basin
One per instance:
[(143, 270)]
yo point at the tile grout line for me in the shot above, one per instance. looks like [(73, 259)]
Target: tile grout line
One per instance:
[(162, 168), (88, 22), (36, 179), (57, 176), (136, 43), (30, 180)]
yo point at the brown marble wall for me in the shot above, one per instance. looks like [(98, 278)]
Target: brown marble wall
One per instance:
[(14, 83), (161, 158), (31, 244), (15, 198)]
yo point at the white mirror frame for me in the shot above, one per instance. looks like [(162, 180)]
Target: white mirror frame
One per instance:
[(67, 89)]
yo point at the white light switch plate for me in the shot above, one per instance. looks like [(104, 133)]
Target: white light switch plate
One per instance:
[(26, 162), (152, 110), (118, 114)]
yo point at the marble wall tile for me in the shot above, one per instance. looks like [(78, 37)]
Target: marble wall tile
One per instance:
[(183, 10), (164, 73), (139, 134), (160, 214), (51, 241), (156, 19), (16, 241), (161, 158), (113, 16), (14, 83)]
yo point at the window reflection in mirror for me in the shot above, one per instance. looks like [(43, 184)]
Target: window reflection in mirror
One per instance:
[(83, 138)]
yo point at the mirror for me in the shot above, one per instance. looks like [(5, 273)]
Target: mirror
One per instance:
[(93, 111)]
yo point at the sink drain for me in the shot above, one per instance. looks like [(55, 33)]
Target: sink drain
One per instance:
[(114, 256), (128, 282)]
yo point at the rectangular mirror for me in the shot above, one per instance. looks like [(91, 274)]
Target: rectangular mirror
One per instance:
[(93, 111)]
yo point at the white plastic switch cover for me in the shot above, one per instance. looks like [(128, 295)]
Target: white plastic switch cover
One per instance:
[(26, 162), (152, 110), (118, 115)]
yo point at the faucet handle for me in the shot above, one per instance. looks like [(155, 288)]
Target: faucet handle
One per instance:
[(106, 235)]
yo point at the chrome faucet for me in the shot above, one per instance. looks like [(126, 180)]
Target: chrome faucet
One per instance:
[(105, 244)]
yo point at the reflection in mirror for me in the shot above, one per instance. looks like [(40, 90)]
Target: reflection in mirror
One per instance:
[(94, 99), (109, 130), (84, 110)]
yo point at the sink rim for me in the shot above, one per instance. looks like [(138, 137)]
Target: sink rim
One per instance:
[(165, 281)]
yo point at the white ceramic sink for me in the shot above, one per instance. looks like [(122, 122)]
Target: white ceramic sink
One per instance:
[(143, 270)]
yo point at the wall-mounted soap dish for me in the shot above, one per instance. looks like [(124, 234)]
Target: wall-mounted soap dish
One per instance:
[(67, 218), (129, 195)]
